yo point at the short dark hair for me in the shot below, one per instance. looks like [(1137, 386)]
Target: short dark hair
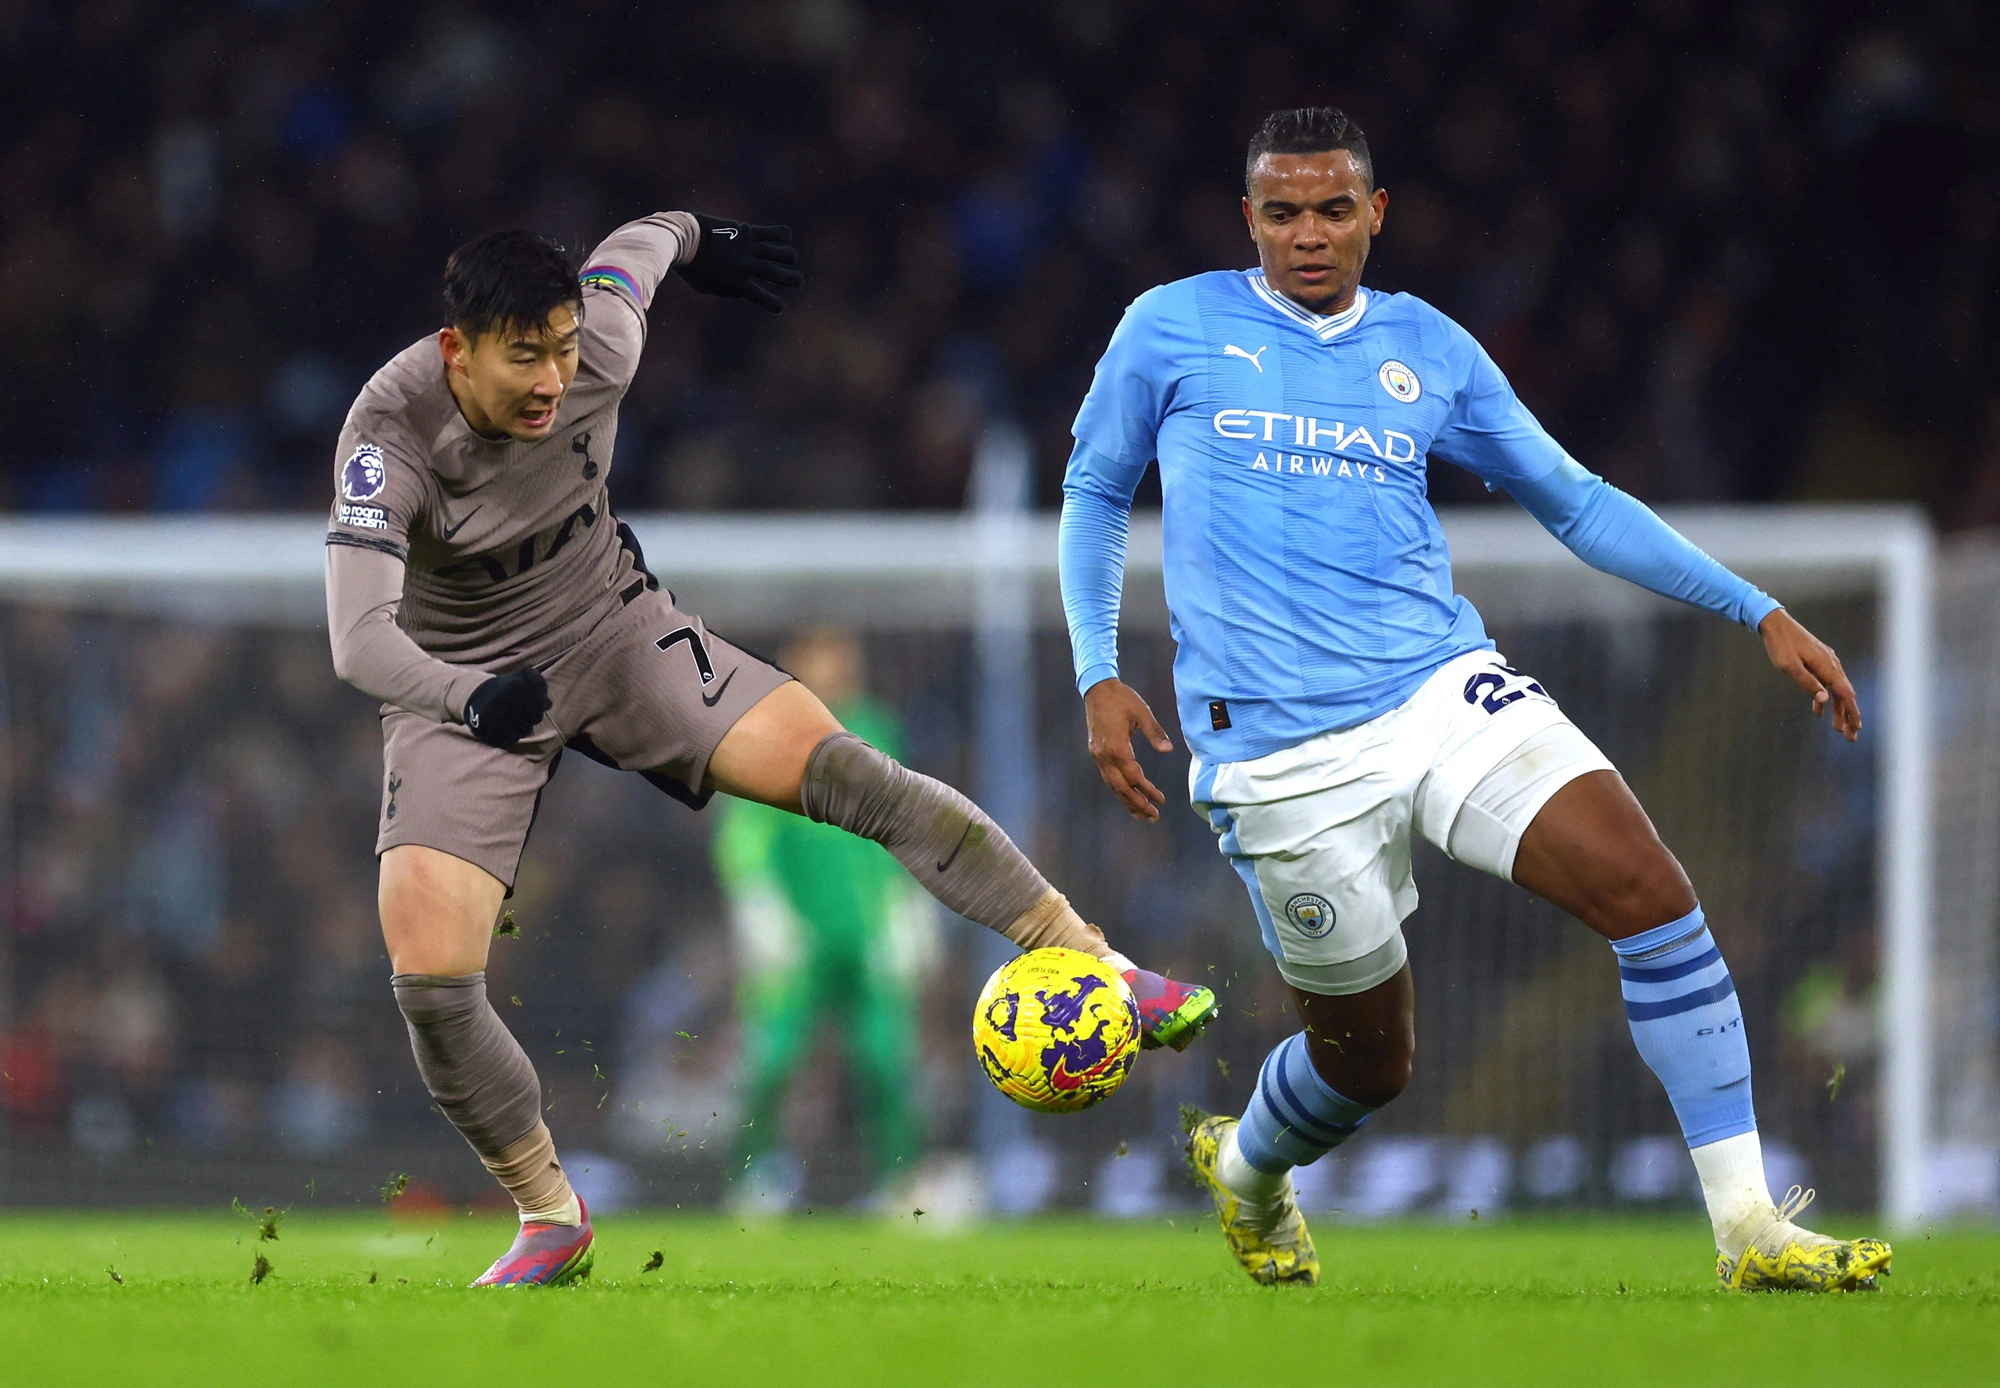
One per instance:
[(508, 281), (1309, 130)]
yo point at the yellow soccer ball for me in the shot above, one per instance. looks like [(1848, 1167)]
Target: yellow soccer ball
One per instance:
[(1056, 1030)]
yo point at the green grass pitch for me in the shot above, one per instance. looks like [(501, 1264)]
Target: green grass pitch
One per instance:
[(366, 1299)]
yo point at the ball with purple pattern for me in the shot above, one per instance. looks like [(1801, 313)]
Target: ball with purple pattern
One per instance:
[(1056, 1030)]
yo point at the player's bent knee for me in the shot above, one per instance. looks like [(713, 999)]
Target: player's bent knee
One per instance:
[(437, 910), (1363, 1044), (1379, 1071), (1382, 1084), (764, 757), (1649, 890), (1371, 1066)]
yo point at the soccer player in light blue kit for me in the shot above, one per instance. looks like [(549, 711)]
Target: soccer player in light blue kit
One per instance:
[(1336, 694)]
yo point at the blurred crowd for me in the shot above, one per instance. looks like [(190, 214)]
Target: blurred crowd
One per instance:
[(1735, 250), (192, 966), (193, 971), (193, 955), (1726, 251)]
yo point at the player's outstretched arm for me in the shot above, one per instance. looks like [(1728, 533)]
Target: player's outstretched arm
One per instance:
[(714, 256), (1814, 668), (1621, 535), (1491, 434), (1616, 533)]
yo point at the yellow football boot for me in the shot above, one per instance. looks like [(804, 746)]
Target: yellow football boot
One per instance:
[(1785, 1258), (1271, 1242)]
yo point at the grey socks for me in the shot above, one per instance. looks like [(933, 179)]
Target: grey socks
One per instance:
[(470, 1062), (949, 844)]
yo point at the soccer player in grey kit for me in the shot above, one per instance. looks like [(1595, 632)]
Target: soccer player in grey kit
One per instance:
[(478, 585)]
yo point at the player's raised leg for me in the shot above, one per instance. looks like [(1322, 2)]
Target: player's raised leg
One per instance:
[(1592, 851), (789, 751), (437, 920)]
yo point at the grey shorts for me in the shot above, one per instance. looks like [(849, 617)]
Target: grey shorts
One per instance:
[(649, 690)]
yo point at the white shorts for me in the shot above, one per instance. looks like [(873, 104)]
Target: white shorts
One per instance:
[(1320, 831)]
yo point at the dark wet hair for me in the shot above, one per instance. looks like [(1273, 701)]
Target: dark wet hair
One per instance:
[(1309, 130), (508, 281)]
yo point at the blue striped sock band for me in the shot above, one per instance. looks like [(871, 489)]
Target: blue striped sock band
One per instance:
[(1295, 1117), (1681, 1005)]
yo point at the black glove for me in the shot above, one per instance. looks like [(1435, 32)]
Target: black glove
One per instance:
[(506, 708), (739, 261)]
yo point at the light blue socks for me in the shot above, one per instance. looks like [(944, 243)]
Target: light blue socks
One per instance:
[(1679, 1000), (1295, 1117), (1681, 1004)]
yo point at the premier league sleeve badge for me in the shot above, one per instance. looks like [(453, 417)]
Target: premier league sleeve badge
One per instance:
[(363, 475)]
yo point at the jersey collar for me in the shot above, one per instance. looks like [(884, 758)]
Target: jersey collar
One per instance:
[(1326, 326)]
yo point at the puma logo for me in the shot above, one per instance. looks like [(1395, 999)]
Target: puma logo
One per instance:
[(1230, 349), (949, 857), (453, 530)]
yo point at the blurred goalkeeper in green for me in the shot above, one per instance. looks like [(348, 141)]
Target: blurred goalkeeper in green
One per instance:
[(830, 933)]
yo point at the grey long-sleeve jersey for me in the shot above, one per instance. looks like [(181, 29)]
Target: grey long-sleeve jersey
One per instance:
[(451, 557)]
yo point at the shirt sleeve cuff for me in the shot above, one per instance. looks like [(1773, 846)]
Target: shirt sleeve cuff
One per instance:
[(689, 231), (1095, 674), (1757, 607)]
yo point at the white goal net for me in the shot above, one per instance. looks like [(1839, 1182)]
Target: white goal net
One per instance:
[(195, 1000)]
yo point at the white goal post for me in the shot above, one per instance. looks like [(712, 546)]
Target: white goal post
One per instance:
[(912, 572)]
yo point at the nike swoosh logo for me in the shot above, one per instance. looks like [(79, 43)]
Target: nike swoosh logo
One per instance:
[(461, 522), (712, 699), (955, 847)]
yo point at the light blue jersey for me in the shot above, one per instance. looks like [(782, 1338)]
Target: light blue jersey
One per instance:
[(1307, 577)]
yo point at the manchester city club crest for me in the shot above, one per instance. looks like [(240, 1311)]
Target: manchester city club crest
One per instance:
[(1400, 381), (1311, 913), (362, 476)]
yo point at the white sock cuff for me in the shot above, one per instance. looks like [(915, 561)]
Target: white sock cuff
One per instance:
[(570, 1212), (1734, 1187), (1236, 1173)]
